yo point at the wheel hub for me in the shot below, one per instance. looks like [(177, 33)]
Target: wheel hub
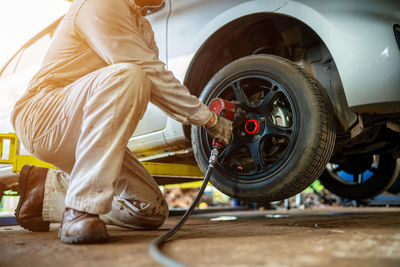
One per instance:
[(252, 126), (252, 129)]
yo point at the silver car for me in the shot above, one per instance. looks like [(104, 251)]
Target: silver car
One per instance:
[(319, 81)]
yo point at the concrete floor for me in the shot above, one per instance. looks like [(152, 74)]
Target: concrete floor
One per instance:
[(324, 237)]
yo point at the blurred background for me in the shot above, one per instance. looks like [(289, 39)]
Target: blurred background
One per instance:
[(22, 19)]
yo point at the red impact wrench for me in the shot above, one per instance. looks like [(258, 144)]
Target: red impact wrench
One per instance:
[(225, 109)]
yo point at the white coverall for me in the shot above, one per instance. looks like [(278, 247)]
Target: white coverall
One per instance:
[(84, 104)]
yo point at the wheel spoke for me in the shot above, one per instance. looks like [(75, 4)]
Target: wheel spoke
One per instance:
[(257, 155), (269, 98), (239, 93), (231, 147), (278, 130)]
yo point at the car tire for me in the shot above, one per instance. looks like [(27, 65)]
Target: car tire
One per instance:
[(380, 177), (295, 136)]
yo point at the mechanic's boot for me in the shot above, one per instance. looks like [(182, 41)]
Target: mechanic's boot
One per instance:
[(78, 227), (30, 205)]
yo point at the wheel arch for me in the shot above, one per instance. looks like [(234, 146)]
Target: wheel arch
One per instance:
[(268, 33)]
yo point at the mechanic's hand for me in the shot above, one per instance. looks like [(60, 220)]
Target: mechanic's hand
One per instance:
[(239, 116), (220, 129)]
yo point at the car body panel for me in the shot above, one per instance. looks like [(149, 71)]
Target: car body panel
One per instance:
[(350, 30), (206, 17)]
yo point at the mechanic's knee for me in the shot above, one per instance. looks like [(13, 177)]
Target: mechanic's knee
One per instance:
[(131, 72), (136, 84)]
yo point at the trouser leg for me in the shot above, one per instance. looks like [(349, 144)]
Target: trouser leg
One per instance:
[(111, 111), (54, 195), (83, 129), (138, 202)]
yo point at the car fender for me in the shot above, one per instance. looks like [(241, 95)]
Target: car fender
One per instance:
[(362, 43), (367, 57), (233, 13), (183, 53)]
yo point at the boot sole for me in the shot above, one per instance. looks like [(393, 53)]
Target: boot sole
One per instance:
[(83, 239), (22, 183)]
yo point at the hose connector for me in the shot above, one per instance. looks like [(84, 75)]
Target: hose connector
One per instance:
[(213, 156)]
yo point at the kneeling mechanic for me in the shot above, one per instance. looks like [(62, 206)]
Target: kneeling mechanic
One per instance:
[(78, 114)]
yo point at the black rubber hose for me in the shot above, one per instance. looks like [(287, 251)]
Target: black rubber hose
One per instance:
[(156, 244)]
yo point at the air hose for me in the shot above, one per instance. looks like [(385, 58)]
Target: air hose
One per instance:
[(156, 244)]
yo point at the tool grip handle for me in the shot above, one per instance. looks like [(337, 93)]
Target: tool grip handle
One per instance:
[(217, 144)]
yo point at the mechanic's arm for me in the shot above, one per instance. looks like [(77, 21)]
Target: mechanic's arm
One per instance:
[(116, 33)]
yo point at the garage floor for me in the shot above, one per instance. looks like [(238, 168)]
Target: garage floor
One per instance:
[(323, 237)]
